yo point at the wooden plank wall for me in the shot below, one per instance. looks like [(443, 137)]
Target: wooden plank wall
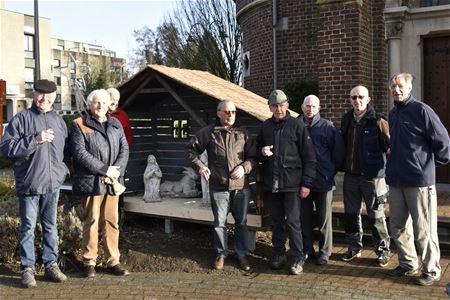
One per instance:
[(151, 122)]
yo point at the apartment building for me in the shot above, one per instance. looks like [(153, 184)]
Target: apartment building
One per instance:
[(65, 62)]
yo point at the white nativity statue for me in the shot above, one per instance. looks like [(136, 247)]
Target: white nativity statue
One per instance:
[(185, 188), (152, 179)]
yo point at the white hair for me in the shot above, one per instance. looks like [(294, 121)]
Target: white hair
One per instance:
[(114, 93), (97, 94)]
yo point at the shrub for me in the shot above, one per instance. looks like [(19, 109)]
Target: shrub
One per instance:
[(70, 231), (4, 162), (7, 187), (298, 90)]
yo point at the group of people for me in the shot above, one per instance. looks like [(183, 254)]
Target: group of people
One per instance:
[(300, 157), (44, 155)]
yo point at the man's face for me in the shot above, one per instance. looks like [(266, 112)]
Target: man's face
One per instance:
[(227, 114), (359, 98), (113, 104), (279, 110), (44, 101), (310, 107), (400, 89), (99, 107)]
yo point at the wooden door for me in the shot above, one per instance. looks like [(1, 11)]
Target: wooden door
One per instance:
[(436, 54)]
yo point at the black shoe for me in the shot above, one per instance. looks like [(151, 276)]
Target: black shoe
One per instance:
[(400, 272), (426, 279), (383, 260), (89, 271), (322, 260), (278, 262), (351, 255), (118, 270)]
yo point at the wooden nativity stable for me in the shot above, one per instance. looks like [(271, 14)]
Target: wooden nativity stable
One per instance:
[(166, 107)]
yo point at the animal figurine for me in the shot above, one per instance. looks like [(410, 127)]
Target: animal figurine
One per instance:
[(152, 179), (185, 188)]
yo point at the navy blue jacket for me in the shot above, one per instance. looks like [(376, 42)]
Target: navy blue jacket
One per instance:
[(418, 141), (38, 168), (294, 159), (329, 148), (373, 144)]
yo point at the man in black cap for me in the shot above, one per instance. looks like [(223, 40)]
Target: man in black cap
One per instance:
[(34, 140), (289, 167)]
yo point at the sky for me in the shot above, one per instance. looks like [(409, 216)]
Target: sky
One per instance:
[(105, 23)]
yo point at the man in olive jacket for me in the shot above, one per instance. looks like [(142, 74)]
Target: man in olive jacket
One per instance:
[(289, 167), (231, 156)]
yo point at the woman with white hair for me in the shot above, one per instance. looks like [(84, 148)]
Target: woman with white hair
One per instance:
[(100, 155)]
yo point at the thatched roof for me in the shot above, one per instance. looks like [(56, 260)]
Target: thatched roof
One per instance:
[(215, 87)]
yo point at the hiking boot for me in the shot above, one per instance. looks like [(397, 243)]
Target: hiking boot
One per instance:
[(218, 263), (400, 271), (89, 271), (53, 273), (297, 266), (383, 260), (278, 262), (118, 270), (322, 260), (351, 255), (426, 279), (28, 280), (244, 264)]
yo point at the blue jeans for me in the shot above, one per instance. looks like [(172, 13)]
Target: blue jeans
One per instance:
[(236, 202), (30, 206)]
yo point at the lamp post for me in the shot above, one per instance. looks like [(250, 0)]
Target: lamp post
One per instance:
[(2, 98)]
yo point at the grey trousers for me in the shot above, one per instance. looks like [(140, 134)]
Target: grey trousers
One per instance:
[(413, 223), (358, 189), (322, 202)]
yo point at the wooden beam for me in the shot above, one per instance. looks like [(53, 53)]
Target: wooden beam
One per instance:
[(136, 91), (153, 91), (180, 100)]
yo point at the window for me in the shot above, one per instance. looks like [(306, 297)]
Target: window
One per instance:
[(57, 80), (56, 63), (180, 129), (29, 82), (424, 3), (28, 46)]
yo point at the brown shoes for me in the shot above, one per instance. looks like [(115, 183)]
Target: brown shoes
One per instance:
[(244, 264), (89, 271), (118, 270), (218, 263)]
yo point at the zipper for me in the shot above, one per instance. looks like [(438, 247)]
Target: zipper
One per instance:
[(49, 155)]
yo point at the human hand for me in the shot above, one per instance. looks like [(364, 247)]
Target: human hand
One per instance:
[(45, 136), (238, 172), (304, 192), (113, 172), (205, 172), (267, 150)]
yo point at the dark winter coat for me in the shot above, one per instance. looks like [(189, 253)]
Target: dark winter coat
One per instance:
[(38, 168), (371, 140), (293, 163), (94, 149), (329, 149)]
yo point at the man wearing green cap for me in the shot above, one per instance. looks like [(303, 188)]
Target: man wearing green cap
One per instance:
[(34, 140), (289, 167)]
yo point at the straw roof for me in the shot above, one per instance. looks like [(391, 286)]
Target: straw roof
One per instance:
[(217, 88)]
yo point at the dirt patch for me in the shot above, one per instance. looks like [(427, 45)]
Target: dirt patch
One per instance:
[(145, 247)]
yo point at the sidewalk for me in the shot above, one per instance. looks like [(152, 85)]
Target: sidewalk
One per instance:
[(359, 279)]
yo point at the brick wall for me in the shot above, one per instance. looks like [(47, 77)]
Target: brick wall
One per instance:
[(340, 43)]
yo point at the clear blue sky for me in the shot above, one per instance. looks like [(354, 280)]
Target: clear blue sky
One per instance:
[(107, 23)]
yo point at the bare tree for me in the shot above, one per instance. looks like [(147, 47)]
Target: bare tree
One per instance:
[(200, 34)]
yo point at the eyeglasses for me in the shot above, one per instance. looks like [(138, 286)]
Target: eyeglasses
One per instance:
[(360, 97), (229, 112)]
